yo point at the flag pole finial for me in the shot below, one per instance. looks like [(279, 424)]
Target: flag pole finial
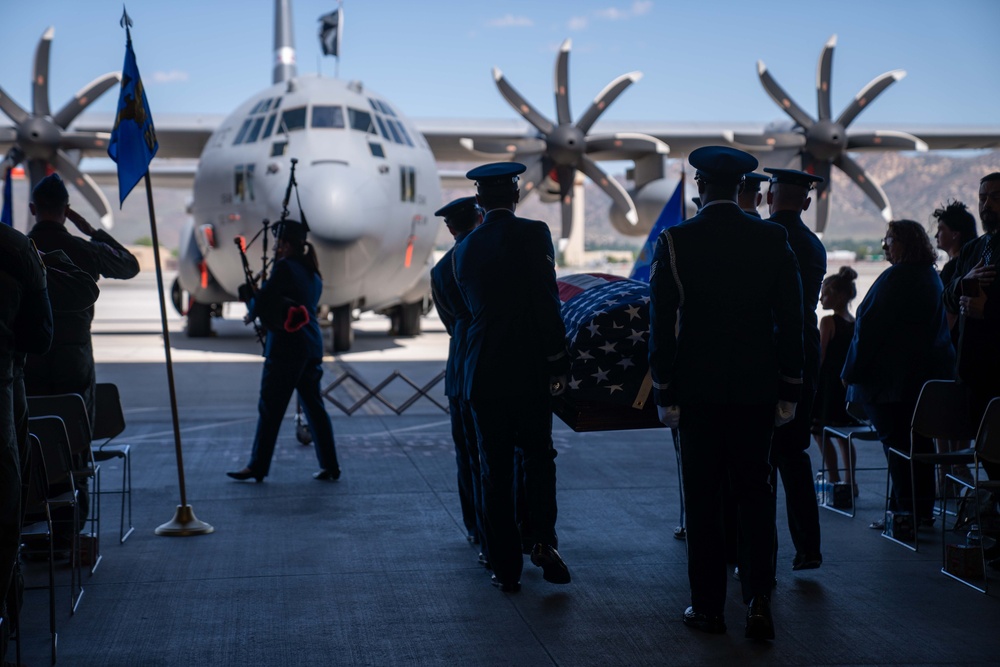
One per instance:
[(126, 21)]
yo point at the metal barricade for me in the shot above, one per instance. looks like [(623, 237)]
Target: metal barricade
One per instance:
[(376, 392)]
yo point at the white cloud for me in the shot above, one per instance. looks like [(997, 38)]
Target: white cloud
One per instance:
[(172, 76), (638, 8), (577, 23), (611, 13), (511, 21)]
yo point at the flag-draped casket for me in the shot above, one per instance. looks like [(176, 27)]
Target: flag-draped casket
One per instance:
[(607, 336)]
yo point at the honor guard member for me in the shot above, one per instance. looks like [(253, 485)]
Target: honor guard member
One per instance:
[(515, 362), (750, 196), (286, 304), (461, 217), (725, 377), (787, 197), (68, 367)]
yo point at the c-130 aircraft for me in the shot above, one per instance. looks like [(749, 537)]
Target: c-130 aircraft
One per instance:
[(369, 183)]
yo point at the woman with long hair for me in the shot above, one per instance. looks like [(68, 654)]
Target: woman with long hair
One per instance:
[(286, 305)]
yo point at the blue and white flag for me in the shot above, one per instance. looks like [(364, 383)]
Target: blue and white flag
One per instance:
[(672, 214), (133, 141), (7, 215)]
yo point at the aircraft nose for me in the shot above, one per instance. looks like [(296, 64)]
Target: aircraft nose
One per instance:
[(339, 206)]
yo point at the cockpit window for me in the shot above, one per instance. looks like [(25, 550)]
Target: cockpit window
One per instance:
[(361, 120), (373, 105), (402, 130), (269, 126), (277, 103), (381, 126), (292, 119), (255, 131), (395, 133), (265, 105), (386, 109), (242, 133), (327, 116)]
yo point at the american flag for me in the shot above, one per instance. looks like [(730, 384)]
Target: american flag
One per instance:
[(607, 333)]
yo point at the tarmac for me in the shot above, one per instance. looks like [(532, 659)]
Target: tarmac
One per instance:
[(375, 568)]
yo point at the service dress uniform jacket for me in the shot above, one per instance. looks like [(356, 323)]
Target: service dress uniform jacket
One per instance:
[(293, 362), (68, 367), (455, 317), (729, 283), (515, 344)]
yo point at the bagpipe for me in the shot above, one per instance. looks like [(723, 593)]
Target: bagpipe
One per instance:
[(277, 313)]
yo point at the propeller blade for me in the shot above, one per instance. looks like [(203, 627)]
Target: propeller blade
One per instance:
[(40, 79), (532, 176), (504, 149), (8, 135), (886, 139), (85, 97), (781, 98), (820, 168), (771, 142), (12, 109), (604, 100), (563, 116), (92, 141), (823, 79), (870, 187), (514, 98), (87, 187), (868, 94), (625, 145), (566, 175), (612, 188)]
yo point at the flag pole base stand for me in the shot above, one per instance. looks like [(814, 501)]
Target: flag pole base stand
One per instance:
[(183, 524)]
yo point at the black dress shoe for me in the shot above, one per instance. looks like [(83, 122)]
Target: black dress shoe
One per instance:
[(807, 561), (506, 587), (245, 474), (554, 570), (325, 475), (714, 624), (759, 623), (484, 561)]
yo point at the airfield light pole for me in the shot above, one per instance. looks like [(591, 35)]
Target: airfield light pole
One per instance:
[(184, 523)]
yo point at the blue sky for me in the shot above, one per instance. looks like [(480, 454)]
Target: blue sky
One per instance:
[(433, 58)]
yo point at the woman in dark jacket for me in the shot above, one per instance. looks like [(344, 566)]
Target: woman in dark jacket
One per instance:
[(286, 305), (901, 340)]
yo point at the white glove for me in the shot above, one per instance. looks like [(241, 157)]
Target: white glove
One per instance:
[(784, 413), (670, 415), (557, 385)]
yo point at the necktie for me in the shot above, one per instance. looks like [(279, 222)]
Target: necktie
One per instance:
[(988, 250)]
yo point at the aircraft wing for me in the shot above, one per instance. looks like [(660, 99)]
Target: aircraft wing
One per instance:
[(179, 135)]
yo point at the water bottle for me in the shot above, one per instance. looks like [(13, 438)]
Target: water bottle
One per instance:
[(974, 538), (820, 487)]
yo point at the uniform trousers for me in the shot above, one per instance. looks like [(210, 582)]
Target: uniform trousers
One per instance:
[(790, 459), (463, 433), (727, 444), (279, 379), (505, 425)]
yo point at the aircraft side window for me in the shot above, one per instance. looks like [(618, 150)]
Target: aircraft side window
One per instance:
[(242, 133), (293, 119), (360, 120), (381, 126), (395, 132), (327, 116), (413, 184), (239, 185), (278, 149), (255, 132), (269, 126), (376, 149), (407, 183), (406, 136), (249, 181)]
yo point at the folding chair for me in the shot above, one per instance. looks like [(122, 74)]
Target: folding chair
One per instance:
[(62, 492), (941, 412), (37, 527), (862, 431), (987, 449), (73, 411), (109, 422)]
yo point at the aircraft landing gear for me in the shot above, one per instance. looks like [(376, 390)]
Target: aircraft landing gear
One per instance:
[(199, 320), (342, 333), (405, 319)]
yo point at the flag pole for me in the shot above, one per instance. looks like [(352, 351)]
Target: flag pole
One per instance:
[(184, 523)]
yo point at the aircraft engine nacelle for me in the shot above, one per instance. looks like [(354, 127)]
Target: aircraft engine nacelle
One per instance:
[(193, 275), (649, 201)]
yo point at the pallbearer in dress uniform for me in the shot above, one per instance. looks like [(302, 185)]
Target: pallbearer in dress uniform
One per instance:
[(461, 217), (515, 362), (726, 377), (787, 197), (750, 196)]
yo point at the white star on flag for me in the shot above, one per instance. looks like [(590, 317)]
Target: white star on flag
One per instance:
[(637, 336), (574, 383), (593, 328), (615, 387), (600, 375), (615, 325), (583, 354), (633, 312), (610, 302), (608, 347), (625, 363), (645, 299)]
